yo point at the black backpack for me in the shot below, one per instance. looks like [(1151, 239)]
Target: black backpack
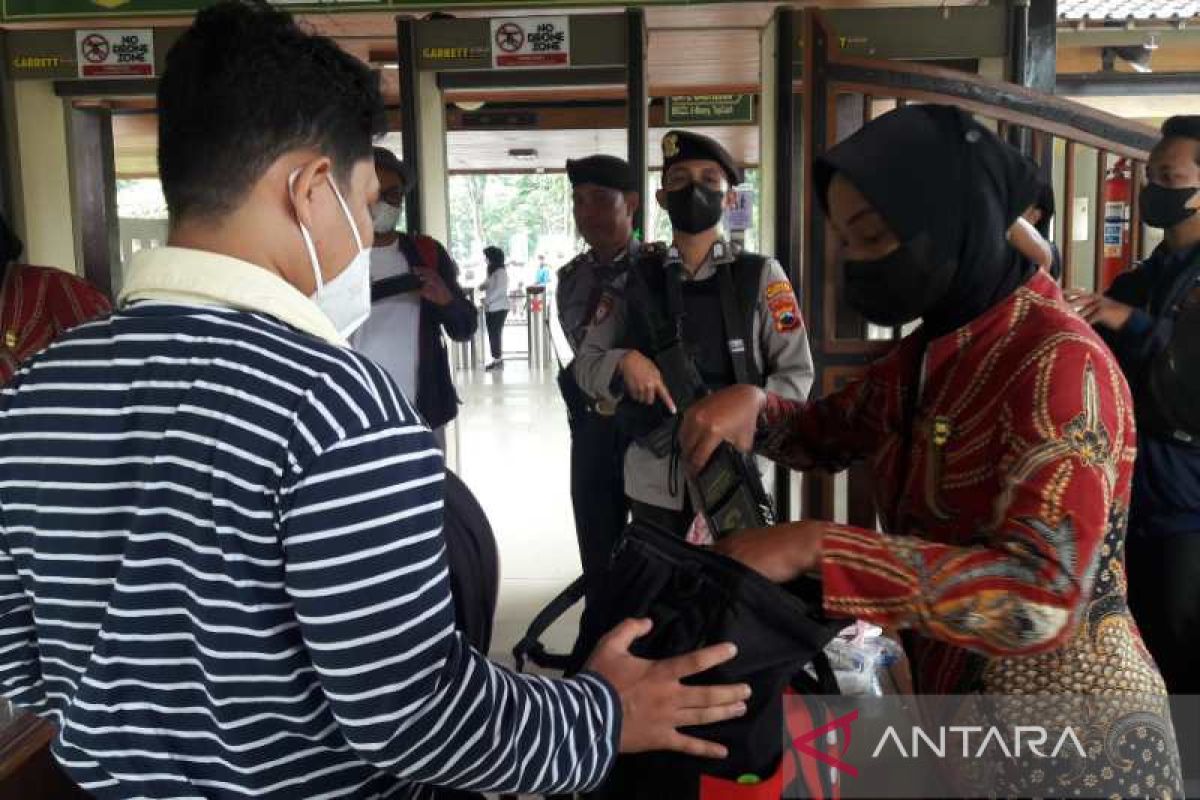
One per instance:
[(474, 567), (697, 597)]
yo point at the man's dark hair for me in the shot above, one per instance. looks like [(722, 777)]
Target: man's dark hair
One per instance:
[(1183, 126), (386, 160), (494, 255), (243, 86)]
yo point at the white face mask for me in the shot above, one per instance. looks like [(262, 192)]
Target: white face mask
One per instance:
[(385, 217), (346, 299)]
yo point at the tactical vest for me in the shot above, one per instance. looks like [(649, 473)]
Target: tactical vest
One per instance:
[(714, 317)]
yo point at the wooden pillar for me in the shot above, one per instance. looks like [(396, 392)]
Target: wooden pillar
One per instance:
[(94, 186), (637, 100)]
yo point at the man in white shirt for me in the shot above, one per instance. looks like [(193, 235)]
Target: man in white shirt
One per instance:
[(414, 296)]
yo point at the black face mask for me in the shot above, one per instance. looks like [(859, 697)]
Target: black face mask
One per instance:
[(1165, 208), (695, 208), (900, 287)]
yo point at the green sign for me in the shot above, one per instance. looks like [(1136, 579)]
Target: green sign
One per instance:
[(11, 10), (710, 109)]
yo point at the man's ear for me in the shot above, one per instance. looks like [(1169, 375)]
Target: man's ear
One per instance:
[(303, 181), (633, 201), (731, 199)]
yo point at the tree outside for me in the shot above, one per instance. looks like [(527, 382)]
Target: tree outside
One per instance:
[(528, 215)]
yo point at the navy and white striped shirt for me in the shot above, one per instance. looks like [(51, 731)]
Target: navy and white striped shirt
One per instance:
[(222, 575)]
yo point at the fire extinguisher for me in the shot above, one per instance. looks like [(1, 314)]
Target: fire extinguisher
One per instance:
[(1117, 243)]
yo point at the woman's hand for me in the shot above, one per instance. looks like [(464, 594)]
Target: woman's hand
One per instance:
[(730, 415), (781, 553)]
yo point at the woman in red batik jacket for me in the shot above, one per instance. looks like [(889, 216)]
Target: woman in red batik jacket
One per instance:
[(37, 304), (1001, 438)]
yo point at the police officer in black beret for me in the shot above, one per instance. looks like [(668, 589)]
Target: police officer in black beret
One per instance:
[(734, 314), (605, 197)]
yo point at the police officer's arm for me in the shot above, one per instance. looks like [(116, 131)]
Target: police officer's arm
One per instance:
[(597, 365), (568, 329), (783, 338)]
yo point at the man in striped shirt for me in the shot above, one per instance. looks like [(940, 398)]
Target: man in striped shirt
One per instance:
[(221, 564)]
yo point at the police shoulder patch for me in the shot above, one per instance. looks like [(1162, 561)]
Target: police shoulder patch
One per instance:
[(779, 288)]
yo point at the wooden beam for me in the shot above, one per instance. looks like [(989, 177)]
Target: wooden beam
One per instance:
[(1068, 211)]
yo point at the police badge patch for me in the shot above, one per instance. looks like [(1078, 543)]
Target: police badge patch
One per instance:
[(785, 312)]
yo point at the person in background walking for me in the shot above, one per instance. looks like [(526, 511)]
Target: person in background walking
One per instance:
[(542, 276), (495, 303)]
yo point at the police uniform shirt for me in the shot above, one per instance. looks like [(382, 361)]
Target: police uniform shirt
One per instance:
[(581, 285), (780, 350)]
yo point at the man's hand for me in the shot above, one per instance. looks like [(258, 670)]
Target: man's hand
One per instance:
[(730, 415), (433, 288), (1098, 309), (654, 700), (643, 381), (781, 553)]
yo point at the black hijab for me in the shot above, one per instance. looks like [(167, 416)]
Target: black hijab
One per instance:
[(933, 170)]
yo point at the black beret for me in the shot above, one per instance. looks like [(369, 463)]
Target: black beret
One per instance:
[(608, 171), (687, 146), (385, 159)]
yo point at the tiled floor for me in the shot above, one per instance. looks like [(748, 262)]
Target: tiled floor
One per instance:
[(513, 451)]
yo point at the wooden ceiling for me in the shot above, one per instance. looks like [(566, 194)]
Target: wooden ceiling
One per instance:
[(691, 49)]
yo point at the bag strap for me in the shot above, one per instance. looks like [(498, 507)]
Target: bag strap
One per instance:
[(530, 648), (733, 278)]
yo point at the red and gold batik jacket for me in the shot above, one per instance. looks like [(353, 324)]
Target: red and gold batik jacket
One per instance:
[(1002, 455), (36, 305)]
